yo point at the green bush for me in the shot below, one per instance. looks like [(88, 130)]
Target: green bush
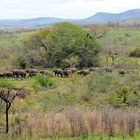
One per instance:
[(120, 98), (135, 53), (43, 81), (124, 97), (101, 81), (20, 61)]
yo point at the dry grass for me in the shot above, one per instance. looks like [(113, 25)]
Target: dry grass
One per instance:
[(77, 122)]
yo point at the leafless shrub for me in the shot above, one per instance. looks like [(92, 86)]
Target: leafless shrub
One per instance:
[(57, 125), (108, 122), (19, 128), (94, 122), (127, 123), (33, 125), (131, 123), (77, 124), (37, 121), (122, 123)]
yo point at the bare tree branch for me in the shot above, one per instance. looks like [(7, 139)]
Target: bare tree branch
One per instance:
[(8, 95)]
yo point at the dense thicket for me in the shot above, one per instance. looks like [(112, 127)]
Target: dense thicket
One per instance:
[(63, 45)]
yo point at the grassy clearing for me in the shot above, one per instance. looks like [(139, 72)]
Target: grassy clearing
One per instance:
[(13, 39), (121, 37)]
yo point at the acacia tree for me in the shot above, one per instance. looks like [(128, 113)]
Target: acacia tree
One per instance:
[(64, 43), (67, 39), (8, 95)]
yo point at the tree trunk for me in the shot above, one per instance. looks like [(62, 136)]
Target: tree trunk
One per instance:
[(7, 119)]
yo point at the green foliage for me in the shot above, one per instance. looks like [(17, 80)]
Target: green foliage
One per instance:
[(125, 96), (42, 82), (120, 99), (64, 45), (135, 53), (101, 81), (20, 61), (68, 40), (71, 61), (6, 84)]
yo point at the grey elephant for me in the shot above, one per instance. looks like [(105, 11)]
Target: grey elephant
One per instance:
[(84, 72), (108, 69), (67, 73), (8, 74), (1, 75), (32, 72), (19, 73), (121, 72), (73, 70), (58, 72)]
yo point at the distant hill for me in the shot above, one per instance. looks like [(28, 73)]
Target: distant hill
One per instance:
[(35, 21), (97, 18), (105, 17)]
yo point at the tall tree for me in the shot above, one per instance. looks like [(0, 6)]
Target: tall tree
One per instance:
[(63, 44), (8, 95), (66, 40)]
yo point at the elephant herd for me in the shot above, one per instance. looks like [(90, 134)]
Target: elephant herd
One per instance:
[(19, 73), (67, 72), (23, 73)]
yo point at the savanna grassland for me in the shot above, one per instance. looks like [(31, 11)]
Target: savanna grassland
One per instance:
[(100, 101)]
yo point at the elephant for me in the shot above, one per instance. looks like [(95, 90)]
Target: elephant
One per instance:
[(67, 73), (121, 72), (84, 72), (8, 75), (58, 72), (1, 75), (92, 69), (108, 69), (44, 72), (32, 72), (73, 70), (19, 73)]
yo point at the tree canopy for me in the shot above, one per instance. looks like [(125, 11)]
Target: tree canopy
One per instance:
[(65, 45)]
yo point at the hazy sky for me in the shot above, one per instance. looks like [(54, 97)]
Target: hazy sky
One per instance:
[(10, 9)]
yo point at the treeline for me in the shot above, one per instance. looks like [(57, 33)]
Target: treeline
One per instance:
[(63, 45), (123, 25)]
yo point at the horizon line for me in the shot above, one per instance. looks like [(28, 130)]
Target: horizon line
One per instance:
[(18, 19)]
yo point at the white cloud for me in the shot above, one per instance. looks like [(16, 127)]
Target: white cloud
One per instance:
[(62, 8)]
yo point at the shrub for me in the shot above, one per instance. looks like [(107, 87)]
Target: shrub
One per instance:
[(20, 61), (43, 81), (29, 59), (100, 81), (125, 96), (120, 98), (135, 53)]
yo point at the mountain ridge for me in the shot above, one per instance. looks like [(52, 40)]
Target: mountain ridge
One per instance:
[(100, 17)]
